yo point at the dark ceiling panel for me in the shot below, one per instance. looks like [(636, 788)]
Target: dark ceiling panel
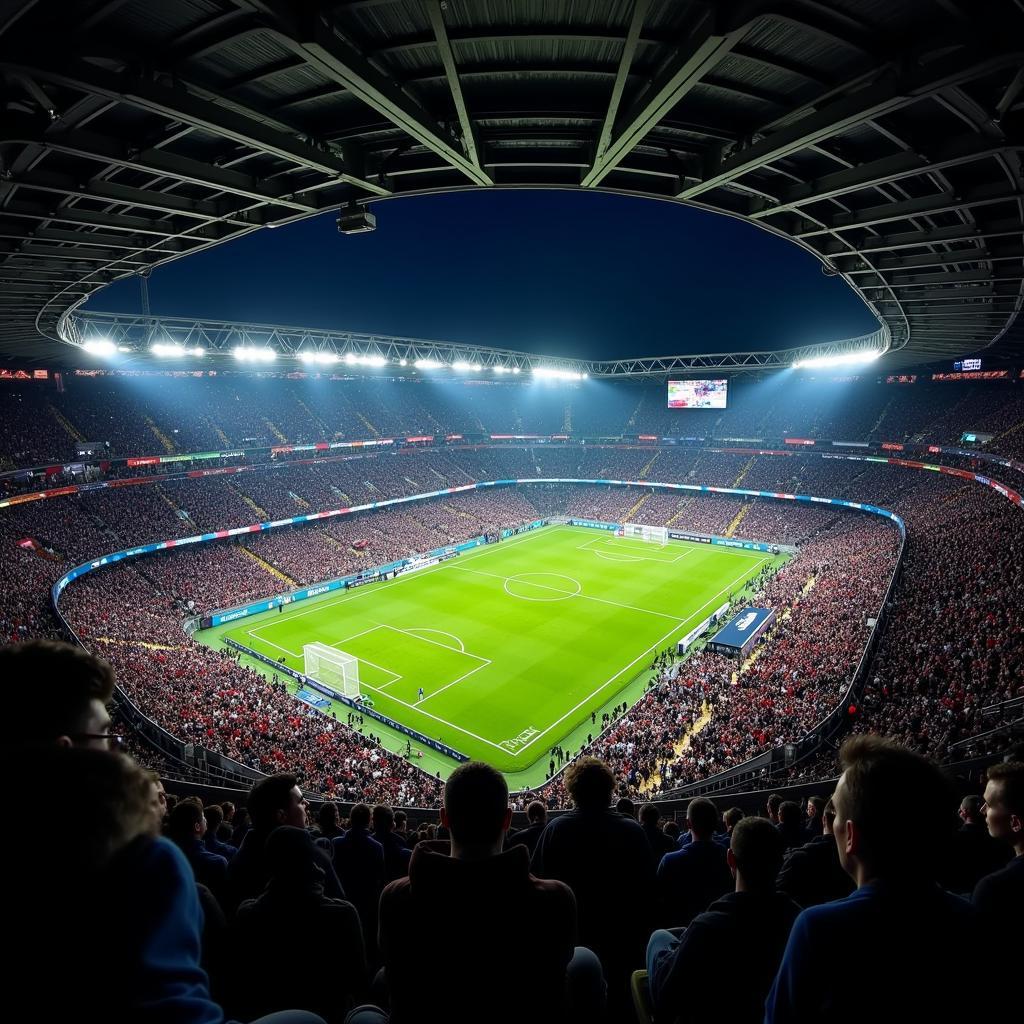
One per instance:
[(885, 136)]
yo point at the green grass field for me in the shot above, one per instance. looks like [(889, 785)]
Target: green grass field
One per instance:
[(514, 644)]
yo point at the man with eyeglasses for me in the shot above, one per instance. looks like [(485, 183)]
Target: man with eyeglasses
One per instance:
[(78, 687)]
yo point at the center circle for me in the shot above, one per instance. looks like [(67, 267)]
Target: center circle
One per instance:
[(542, 586)]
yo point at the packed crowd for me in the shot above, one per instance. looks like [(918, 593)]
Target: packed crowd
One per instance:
[(611, 913), (946, 575), (141, 415)]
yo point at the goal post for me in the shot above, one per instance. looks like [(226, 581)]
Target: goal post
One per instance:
[(332, 668), (649, 534)]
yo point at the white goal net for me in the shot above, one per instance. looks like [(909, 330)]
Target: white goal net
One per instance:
[(650, 534), (333, 668)]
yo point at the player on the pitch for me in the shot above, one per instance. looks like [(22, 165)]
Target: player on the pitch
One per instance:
[(419, 696)]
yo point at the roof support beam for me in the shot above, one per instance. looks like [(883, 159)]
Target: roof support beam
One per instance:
[(162, 202), (706, 47), (629, 47), (310, 36), (925, 206), (167, 165), (875, 101), (947, 278), (1003, 228), (181, 105), (884, 171), (89, 238), (444, 48), (106, 221)]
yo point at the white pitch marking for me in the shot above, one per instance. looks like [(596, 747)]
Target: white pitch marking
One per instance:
[(584, 597), (440, 632), (431, 696), (653, 646), (363, 591), (565, 594)]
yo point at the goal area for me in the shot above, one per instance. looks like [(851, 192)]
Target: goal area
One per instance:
[(650, 534), (332, 668)]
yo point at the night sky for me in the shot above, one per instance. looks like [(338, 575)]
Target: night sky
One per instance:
[(584, 274)]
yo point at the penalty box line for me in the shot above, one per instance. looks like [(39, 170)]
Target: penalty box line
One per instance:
[(640, 657), (395, 676), (628, 551), (406, 704)]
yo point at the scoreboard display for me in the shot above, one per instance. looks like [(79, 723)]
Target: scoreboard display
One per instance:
[(697, 394)]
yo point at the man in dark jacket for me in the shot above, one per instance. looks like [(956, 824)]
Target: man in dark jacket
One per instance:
[(186, 827), (911, 943), (359, 864), (293, 913), (973, 853), (1000, 896), (487, 915), (214, 815), (537, 816), (812, 874), (396, 853), (659, 842), (690, 879), (606, 860), (273, 802), (734, 946)]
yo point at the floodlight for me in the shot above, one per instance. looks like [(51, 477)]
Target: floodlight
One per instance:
[(822, 362), (100, 347)]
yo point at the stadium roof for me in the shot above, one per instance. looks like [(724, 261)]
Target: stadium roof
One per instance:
[(885, 136)]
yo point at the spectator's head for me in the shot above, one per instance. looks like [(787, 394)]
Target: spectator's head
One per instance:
[(327, 817), (970, 809), (186, 822), (732, 818), (159, 797), (755, 854), (78, 689), (241, 821), (277, 801), (291, 859), (701, 818), (650, 815), (589, 782), (229, 812), (625, 807), (536, 813), (880, 780), (1004, 803), (828, 817), (476, 810), (815, 805), (214, 815), (790, 816), (773, 805), (401, 821), (359, 817), (112, 806), (383, 818), (672, 829)]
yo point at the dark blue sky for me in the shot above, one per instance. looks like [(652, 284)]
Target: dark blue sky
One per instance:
[(584, 274)]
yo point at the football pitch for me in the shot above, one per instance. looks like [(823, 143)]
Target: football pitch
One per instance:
[(514, 644)]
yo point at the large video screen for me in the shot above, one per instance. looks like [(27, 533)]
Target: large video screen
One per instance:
[(697, 394)]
